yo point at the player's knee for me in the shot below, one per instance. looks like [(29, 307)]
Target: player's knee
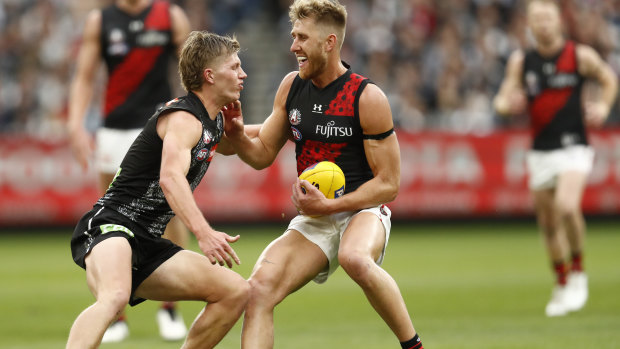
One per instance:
[(237, 291), (262, 291), (355, 264), (242, 292), (567, 210), (115, 299)]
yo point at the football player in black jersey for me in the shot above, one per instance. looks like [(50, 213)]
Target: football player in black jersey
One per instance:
[(136, 39), (331, 114), (119, 242), (547, 81)]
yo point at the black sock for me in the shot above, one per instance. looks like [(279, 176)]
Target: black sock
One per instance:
[(413, 343)]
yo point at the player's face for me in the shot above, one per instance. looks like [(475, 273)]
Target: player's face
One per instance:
[(308, 47), (228, 77), (544, 22)]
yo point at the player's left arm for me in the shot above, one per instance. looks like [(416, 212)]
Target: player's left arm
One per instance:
[(180, 26), (592, 66), (383, 155), (226, 148)]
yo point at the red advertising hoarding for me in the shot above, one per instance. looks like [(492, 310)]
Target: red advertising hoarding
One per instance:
[(443, 175)]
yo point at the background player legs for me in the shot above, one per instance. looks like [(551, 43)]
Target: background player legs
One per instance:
[(568, 198), (550, 225), (562, 226), (361, 245), (169, 320)]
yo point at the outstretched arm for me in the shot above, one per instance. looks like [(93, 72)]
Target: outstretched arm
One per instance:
[(511, 100), (383, 156), (592, 66), (180, 131), (81, 90), (226, 147)]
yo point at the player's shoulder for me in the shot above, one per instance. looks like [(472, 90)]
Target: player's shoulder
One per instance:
[(586, 52), (287, 82), (290, 77), (373, 94), (92, 24), (588, 60)]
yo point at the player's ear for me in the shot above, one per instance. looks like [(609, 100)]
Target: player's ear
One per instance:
[(331, 42), (208, 75)]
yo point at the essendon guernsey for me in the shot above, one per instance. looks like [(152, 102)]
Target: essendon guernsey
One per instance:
[(553, 86), (325, 126), (136, 50)]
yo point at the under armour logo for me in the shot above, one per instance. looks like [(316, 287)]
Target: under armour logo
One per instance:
[(317, 108)]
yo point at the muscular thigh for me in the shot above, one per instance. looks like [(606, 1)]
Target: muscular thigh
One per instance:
[(364, 235), (108, 265), (188, 275), (287, 264), (570, 188)]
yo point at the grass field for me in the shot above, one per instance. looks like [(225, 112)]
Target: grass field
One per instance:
[(472, 285)]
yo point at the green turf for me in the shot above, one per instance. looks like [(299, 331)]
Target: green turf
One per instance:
[(478, 285)]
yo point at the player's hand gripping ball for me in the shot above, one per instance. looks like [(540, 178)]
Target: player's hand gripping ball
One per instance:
[(327, 177)]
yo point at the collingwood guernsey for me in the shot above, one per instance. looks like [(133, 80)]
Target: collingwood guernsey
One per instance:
[(135, 192)]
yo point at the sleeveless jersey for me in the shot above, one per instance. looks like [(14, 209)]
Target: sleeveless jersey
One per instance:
[(553, 86), (135, 191), (325, 126), (137, 51)]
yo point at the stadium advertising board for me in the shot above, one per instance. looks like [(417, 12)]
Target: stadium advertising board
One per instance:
[(443, 175)]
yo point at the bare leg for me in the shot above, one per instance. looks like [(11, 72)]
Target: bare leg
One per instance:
[(190, 276), (105, 179), (550, 224), (569, 193), (360, 247), (169, 320), (286, 265), (108, 273)]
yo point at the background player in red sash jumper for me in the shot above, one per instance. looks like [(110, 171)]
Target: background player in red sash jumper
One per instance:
[(136, 39), (548, 82), (331, 114), (119, 241)]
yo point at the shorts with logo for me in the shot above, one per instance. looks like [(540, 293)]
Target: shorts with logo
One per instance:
[(544, 167), (326, 232), (148, 251), (112, 145)]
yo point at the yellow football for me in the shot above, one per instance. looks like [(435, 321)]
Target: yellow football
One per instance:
[(327, 177)]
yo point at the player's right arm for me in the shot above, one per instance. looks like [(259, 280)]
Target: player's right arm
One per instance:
[(261, 150), (510, 99), (180, 132), (180, 27), (82, 86)]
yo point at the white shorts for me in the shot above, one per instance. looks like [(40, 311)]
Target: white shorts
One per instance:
[(326, 232), (112, 145), (545, 166)]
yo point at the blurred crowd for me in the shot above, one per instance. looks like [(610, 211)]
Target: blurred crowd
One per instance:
[(439, 61)]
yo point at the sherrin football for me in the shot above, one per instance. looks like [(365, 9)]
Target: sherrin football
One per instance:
[(327, 177)]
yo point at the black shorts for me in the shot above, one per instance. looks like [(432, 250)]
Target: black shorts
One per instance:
[(148, 251)]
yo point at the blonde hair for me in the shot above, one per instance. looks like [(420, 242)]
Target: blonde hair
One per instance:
[(324, 12), (202, 49), (552, 2)]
